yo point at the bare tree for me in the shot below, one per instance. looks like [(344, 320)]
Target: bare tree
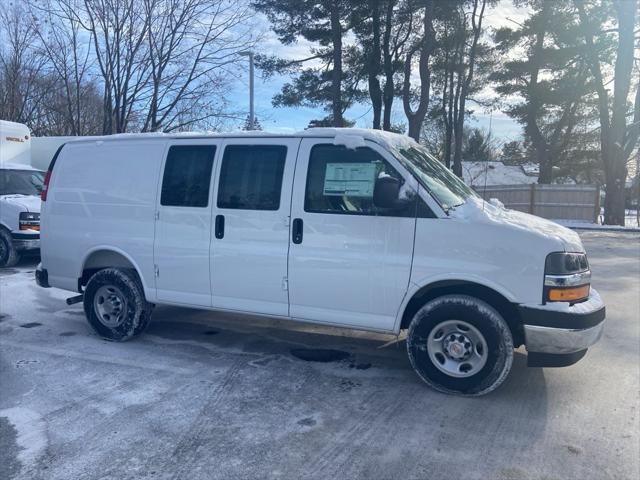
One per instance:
[(68, 61), (118, 30), (22, 84), (191, 43)]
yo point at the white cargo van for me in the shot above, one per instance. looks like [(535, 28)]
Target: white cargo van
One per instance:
[(342, 227)]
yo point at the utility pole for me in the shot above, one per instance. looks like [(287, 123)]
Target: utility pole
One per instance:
[(249, 53)]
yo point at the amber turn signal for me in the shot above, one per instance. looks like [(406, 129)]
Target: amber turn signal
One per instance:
[(30, 226), (568, 294)]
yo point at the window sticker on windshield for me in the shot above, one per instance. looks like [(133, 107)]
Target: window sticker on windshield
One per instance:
[(352, 179)]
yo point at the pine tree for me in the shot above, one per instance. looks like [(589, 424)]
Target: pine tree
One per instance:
[(551, 79), (247, 124), (321, 79)]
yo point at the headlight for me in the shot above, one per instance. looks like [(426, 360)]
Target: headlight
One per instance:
[(29, 221), (567, 277)]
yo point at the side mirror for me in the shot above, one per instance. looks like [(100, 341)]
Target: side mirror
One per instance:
[(386, 192)]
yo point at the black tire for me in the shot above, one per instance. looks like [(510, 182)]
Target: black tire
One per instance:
[(9, 256), (135, 312), (482, 318)]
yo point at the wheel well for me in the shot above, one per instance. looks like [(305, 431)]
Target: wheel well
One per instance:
[(493, 298), (100, 260)]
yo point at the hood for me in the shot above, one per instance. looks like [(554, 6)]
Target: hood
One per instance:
[(477, 210), (29, 203)]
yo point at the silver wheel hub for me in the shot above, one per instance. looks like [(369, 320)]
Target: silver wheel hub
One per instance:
[(110, 305), (457, 348)]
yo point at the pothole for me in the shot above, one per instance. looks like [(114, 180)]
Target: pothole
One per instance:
[(360, 366), (67, 334), (31, 325), (307, 422), (210, 332), (323, 355)]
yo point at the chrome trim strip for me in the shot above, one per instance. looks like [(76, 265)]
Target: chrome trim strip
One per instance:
[(560, 340), (571, 280)]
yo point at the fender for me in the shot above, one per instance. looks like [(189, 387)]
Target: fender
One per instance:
[(150, 293), (414, 287)]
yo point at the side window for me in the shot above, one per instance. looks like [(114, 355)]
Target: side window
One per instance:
[(251, 177), (341, 180), (187, 175)]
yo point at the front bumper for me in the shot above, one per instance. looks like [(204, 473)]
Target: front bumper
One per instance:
[(558, 335), (25, 240)]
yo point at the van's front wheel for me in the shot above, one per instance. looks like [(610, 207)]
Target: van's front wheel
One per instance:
[(460, 344), (115, 305)]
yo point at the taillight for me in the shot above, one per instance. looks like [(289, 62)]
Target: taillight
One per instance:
[(45, 186), (47, 176)]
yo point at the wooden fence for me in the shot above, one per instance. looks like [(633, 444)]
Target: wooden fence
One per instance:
[(566, 202)]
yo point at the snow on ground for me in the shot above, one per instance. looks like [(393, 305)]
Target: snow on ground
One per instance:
[(478, 174), (630, 223), (32, 433)]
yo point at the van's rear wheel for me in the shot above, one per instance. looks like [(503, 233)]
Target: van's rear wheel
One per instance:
[(115, 305), (460, 344), (9, 256)]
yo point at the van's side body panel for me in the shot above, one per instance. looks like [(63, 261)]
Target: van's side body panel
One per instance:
[(350, 270), (249, 263), (102, 195)]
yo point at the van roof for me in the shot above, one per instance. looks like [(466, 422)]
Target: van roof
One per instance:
[(347, 136)]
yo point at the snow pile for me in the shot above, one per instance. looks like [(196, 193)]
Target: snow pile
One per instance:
[(409, 189), (496, 203), (478, 211), (32, 433), (349, 141)]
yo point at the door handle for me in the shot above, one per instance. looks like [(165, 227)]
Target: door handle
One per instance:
[(296, 231), (219, 226)]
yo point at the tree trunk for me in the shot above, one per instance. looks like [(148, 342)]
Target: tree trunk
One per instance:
[(415, 118), (466, 83), (545, 175), (613, 127), (375, 92), (336, 75), (614, 200)]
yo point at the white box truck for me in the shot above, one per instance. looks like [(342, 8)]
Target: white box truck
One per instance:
[(20, 187), (344, 227)]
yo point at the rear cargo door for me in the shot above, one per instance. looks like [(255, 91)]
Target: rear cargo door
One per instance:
[(183, 222)]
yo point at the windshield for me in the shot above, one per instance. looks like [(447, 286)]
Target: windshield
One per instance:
[(21, 182), (448, 190)]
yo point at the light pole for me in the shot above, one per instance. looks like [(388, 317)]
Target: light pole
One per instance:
[(249, 53)]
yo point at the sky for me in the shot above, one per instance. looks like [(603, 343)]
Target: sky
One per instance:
[(284, 119)]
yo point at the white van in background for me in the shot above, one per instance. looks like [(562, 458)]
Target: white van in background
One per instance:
[(344, 227), (20, 187)]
